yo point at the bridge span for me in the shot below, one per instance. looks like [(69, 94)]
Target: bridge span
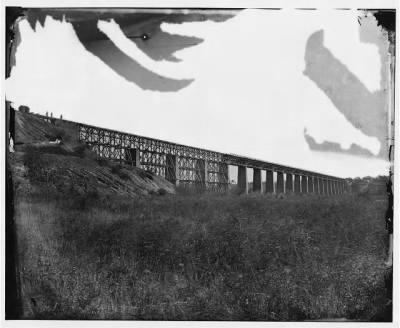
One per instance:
[(205, 169)]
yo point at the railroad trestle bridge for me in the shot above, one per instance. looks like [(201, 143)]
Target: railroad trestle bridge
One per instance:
[(205, 169)]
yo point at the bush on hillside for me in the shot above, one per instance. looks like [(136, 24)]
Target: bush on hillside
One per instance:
[(57, 133), (80, 150), (119, 171)]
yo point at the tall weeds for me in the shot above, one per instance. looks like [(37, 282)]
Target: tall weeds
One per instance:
[(200, 257)]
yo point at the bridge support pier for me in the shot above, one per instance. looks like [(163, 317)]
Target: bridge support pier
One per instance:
[(297, 183), (269, 184), (242, 180), (279, 182), (303, 184), (172, 169), (257, 182), (289, 183), (310, 184)]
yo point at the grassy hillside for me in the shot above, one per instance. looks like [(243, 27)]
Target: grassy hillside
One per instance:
[(208, 257)]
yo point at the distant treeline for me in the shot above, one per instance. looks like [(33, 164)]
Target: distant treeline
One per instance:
[(369, 185)]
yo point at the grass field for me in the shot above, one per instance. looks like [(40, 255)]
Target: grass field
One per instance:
[(200, 257)]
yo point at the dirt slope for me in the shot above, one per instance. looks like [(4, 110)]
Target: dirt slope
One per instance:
[(30, 128), (71, 165)]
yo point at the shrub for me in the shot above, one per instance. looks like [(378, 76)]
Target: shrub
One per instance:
[(80, 150), (57, 133), (119, 170), (162, 192)]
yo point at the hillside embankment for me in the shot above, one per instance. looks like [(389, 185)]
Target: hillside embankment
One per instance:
[(70, 164)]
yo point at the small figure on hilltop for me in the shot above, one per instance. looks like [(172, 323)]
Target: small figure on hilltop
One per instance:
[(389, 221)]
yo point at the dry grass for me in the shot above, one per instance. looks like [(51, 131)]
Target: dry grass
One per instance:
[(200, 257)]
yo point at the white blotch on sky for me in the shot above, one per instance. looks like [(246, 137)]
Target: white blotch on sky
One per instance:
[(249, 96)]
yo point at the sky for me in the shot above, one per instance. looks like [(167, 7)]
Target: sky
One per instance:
[(301, 88)]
